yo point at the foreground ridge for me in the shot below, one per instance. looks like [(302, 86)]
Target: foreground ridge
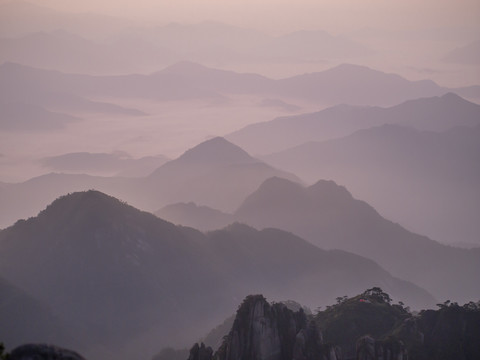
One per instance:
[(365, 327)]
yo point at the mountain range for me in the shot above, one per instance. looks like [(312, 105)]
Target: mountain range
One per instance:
[(187, 80), (427, 181), (214, 173), (109, 45), (137, 282), (434, 114), (328, 216)]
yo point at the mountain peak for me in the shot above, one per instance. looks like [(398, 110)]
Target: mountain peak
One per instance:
[(77, 204), (276, 183), (217, 151), (330, 189)]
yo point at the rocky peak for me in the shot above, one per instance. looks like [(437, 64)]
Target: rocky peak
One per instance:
[(200, 352), (264, 331)]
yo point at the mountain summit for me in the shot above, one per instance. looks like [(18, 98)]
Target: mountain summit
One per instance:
[(216, 151)]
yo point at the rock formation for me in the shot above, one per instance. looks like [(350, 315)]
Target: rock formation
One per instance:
[(370, 349), (200, 352), (263, 331)]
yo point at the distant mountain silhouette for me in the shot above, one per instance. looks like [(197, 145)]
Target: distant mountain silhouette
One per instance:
[(135, 281), (188, 73), (436, 113), (103, 163), (215, 173), (25, 117), (327, 215), (346, 83), (468, 54), (186, 80), (22, 17), (425, 180), (190, 214), (129, 47)]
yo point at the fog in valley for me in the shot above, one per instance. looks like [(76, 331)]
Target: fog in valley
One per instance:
[(160, 161)]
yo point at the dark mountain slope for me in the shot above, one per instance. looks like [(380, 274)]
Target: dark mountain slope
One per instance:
[(25, 318), (107, 267), (129, 283), (327, 215), (287, 262)]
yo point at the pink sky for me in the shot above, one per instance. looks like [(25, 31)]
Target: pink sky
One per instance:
[(287, 15)]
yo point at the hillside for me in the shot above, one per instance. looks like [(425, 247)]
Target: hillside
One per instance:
[(327, 215), (427, 181), (366, 326), (132, 279), (215, 173)]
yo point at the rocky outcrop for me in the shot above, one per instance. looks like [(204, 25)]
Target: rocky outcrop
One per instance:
[(200, 352), (263, 331), (43, 352), (370, 349)]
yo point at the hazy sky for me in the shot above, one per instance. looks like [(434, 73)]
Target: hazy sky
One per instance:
[(286, 15)]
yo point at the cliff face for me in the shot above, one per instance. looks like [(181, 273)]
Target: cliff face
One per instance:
[(370, 349), (262, 331)]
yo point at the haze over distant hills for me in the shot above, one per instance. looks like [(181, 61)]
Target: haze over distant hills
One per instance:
[(426, 181), (215, 173), (468, 54), (186, 80), (434, 114), (99, 44), (328, 216), (31, 118), (121, 164), (147, 280), (115, 251)]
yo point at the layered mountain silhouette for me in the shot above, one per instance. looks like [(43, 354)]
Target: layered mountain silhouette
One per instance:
[(200, 217), (427, 181), (328, 216), (341, 84), (215, 173), (103, 163), (128, 47), (434, 114), (123, 279)]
